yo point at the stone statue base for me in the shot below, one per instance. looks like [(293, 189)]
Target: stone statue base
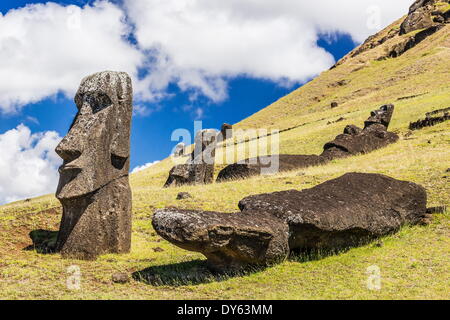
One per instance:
[(98, 223)]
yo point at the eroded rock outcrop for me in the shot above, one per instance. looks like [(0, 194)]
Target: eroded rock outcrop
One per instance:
[(200, 167), (353, 141), (338, 214), (93, 187)]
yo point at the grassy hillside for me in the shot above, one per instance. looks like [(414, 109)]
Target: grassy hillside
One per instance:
[(414, 263)]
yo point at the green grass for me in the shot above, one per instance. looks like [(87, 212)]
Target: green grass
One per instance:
[(414, 263)]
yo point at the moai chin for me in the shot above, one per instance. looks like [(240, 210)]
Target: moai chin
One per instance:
[(93, 187)]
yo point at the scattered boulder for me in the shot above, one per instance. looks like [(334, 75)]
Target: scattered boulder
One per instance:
[(120, 277), (334, 105), (335, 215), (200, 168), (353, 141), (183, 195), (434, 210), (93, 187)]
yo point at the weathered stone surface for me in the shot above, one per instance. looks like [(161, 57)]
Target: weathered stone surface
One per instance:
[(268, 165), (120, 277), (229, 241), (419, 16), (338, 214), (93, 186), (179, 150), (343, 212), (200, 168), (353, 141), (432, 118)]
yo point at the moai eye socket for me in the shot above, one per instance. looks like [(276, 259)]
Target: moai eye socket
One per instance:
[(98, 101)]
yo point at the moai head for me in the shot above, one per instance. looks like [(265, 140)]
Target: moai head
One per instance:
[(205, 146), (381, 116), (96, 149)]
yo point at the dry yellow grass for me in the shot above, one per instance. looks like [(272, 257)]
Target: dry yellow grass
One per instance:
[(414, 263)]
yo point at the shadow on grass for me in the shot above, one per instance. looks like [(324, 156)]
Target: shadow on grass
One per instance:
[(185, 273), (44, 241)]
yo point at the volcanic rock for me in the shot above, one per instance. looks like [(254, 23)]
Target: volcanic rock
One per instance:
[(419, 16), (183, 195), (353, 141), (179, 150), (93, 187), (229, 241)]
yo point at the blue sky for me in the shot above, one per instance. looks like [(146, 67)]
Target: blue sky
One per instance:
[(264, 60)]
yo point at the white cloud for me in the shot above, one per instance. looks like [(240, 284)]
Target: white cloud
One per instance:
[(145, 166), (201, 43), (28, 164), (49, 48), (197, 44)]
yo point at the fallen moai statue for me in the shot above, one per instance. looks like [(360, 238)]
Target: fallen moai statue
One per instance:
[(338, 214), (93, 187), (432, 118), (353, 141), (200, 167)]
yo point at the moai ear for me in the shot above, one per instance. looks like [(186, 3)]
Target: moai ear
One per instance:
[(120, 144)]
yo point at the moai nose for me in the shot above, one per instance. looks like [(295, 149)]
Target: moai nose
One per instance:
[(68, 149)]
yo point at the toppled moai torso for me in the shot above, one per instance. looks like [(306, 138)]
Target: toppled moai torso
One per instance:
[(335, 215), (93, 186), (353, 141), (179, 150), (200, 167), (226, 132)]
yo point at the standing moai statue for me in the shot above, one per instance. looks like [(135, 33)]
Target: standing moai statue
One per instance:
[(200, 167), (93, 187)]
